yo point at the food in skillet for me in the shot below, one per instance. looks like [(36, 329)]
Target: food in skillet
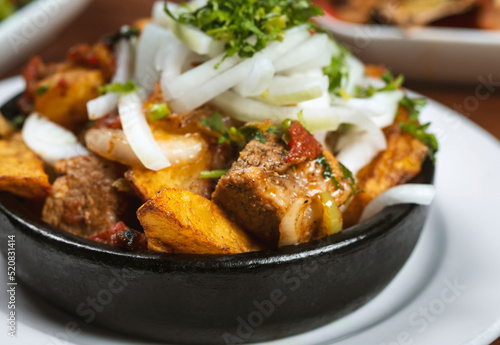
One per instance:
[(8, 7), (215, 127), (407, 13)]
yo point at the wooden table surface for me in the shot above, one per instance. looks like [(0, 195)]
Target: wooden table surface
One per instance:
[(106, 16)]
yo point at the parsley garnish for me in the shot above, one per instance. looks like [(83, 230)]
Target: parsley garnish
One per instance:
[(238, 137), (42, 89), (413, 105), (337, 71), (234, 21), (391, 84), (213, 174), (119, 88), (327, 172), (348, 175), (420, 132), (158, 111), (127, 33)]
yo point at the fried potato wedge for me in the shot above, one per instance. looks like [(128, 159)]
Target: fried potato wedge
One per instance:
[(183, 174), (21, 171), (399, 163), (147, 183), (63, 96), (183, 222)]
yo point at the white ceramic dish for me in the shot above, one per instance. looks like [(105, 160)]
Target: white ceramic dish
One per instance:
[(447, 293), (428, 53), (27, 30)]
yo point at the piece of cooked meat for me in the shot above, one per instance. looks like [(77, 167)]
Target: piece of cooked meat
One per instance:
[(83, 200), (399, 163), (261, 186)]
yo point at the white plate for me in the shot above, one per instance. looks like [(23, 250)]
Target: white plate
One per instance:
[(27, 30), (459, 246), (427, 53)]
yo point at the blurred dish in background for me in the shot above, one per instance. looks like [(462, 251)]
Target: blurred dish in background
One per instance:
[(442, 52), (483, 14), (28, 29)]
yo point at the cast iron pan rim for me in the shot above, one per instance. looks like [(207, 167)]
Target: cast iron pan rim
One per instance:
[(78, 246)]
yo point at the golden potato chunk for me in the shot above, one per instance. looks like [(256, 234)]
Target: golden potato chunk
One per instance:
[(399, 163), (21, 171), (63, 96), (182, 222)]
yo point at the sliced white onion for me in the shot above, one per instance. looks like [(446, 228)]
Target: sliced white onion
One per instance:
[(365, 141), (355, 75), (293, 90), (160, 17), (49, 140), (113, 145), (139, 134), (153, 37), (317, 61), (102, 105), (213, 87), (195, 39), (313, 46), (194, 78), (248, 110), (259, 79), (421, 194), (382, 107), (125, 56)]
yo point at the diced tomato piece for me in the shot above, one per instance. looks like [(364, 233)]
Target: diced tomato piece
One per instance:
[(122, 236), (302, 144)]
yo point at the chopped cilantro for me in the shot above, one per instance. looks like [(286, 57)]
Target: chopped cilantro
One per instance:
[(337, 71), (42, 89), (234, 21), (348, 175), (413, 105), (237, 137), (327, 172), (213, 174), (17, 121), (119, 88), (420, 132), (158, 111), (391, 83)]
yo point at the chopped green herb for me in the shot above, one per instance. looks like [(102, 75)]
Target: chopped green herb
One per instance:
[(111, 40), (275, 129), (413, 105), (17, 121), (213, 174), (337, 71), (42, 89), (391, 83), (420, 132), (327, 172), (303, 122), (119, 88), (238, 137), (158, 111), (348, 175), (234, 21)]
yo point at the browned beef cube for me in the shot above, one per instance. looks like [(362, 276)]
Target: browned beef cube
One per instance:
[(260, 186), (83, 200)]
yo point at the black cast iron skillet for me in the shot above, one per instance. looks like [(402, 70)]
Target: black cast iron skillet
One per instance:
[(212, 299)]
